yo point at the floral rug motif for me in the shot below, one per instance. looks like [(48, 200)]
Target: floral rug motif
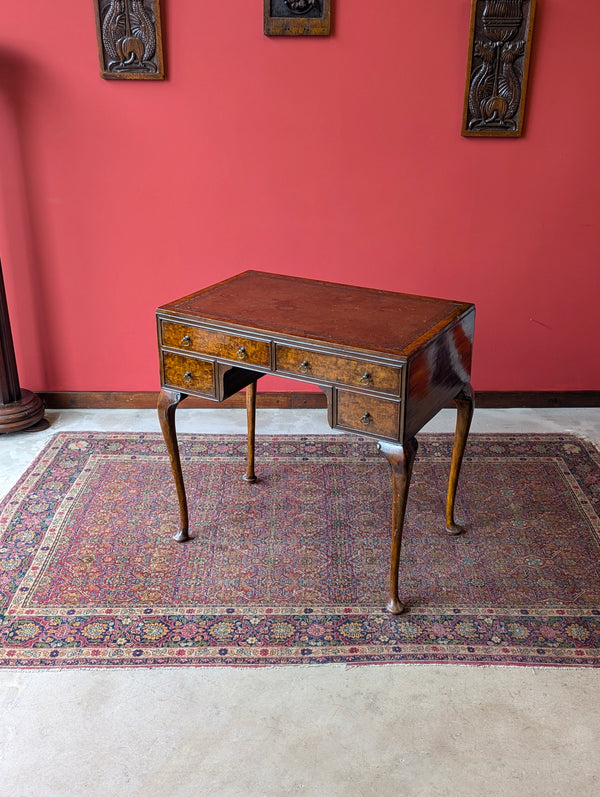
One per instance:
[(293, 569)]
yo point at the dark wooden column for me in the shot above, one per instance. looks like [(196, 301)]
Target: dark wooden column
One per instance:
[(19, 409)]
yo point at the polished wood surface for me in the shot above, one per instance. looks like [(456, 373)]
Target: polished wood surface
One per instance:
[(386, 362), (19, 409), (251, 420), (327, 312), (303, 363), (401, 460), (217, 344), (366, 414), (464, 405), (168, 401)]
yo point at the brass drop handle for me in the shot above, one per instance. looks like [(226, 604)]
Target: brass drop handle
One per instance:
[(366, 378), (187, 377), (186, 341), (241, 353), (366, 419), (304, 367)]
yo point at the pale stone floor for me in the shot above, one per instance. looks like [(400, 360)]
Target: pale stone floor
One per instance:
[(318, 730)]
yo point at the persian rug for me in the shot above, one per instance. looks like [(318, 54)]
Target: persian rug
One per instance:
[(293, 569)]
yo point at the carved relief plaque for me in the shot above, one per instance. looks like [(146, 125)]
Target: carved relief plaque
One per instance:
[(498, 66), (129, 39), (297, 17)]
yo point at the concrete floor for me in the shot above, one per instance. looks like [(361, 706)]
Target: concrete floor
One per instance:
[(320, 730)]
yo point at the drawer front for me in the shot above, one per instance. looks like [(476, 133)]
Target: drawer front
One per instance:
[(188, 373), (343, 370), (367, 414), (216, 344)]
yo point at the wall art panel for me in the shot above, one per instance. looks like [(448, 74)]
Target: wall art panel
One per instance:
[(297, 17), (129, 39), (498, 67)]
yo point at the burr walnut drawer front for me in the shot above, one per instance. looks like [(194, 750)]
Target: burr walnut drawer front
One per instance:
[(342, 370), (188, 373), (216, 344), (368, 414)]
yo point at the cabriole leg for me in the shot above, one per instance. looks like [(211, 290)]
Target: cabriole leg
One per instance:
[(464, 405), (167, 404), (400, 459)]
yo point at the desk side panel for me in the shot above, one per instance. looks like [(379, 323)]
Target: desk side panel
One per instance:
[(437, 373)]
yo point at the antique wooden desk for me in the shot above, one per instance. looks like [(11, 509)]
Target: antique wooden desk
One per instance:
[(387, 362)]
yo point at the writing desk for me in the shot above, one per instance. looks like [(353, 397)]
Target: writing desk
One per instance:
[(387, 363)]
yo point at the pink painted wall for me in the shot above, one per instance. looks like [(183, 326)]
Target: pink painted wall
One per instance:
[(337, 158)]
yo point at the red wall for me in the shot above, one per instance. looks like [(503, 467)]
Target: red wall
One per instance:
[(339, 158)]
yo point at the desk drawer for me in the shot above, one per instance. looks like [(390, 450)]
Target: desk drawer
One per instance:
[(362, 413), (188, 373), (342, 370), (216, 344)]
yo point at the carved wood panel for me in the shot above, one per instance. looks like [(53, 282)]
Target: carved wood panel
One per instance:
[(498, 67), (297, 17), (129, 39)]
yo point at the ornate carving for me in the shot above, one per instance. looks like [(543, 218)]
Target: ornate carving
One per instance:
[(303, 6), (297, 17), (500, 44), (129, 39)]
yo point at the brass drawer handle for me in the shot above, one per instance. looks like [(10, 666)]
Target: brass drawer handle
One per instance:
[(187, 377), (241, 353), (366, 378), (366, 419), (186, 341), (304, 367)]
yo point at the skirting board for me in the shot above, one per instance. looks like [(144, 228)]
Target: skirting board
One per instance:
[(306, 400)]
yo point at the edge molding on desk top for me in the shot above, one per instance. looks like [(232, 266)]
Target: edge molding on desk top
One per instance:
[(328, 312), (386, 361)]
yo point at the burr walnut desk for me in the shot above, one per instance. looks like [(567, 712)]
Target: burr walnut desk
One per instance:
[(387, 363)]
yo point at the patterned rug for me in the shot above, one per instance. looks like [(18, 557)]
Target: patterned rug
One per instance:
[(293, 569)]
